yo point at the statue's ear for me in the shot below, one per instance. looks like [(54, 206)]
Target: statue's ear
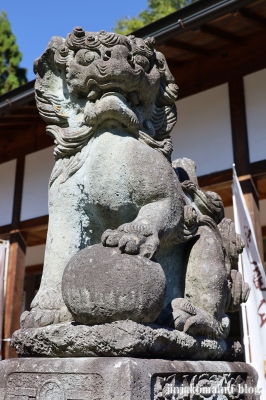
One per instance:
[(164, 114), (150, 42), (50, 83), (46, 61)]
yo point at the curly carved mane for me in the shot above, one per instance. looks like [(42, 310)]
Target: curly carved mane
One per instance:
[(71, 78)]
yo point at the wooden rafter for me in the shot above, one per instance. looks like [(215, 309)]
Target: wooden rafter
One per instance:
[(178, 44), (20, 119), (251, 17), (203, 73), (220, 33)]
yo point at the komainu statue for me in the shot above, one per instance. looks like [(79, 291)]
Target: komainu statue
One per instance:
[(132, 239)]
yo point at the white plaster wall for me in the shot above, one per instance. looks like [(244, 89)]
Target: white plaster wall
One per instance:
[(7, 186), (255, 96), (203, 130), (35, 255), (229, 212), (38, 169)]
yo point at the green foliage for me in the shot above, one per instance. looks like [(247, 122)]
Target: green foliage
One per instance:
[(11, 75), (156, 10)]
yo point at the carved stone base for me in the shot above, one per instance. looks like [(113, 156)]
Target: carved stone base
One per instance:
[(120, 339), (125, 378)]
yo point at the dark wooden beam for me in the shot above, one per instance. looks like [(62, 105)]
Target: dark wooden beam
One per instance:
[(25, 109), (221, 182), (204, 73), (14, 291), (216, 178), (30, 225), (251, 17), (14, 125), (258, 172), (16, 266), (239, 126), (19, 119), (220, 33), (34, 269), (258, 169), (5, 231), (35, 229), (16, 142), (34, 224), (174, 63), (178, 44), (19, 177)]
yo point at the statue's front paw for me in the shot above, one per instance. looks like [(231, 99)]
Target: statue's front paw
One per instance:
[(176, 313), (188, 228), (38, 317), (133, 238), (47, 308), (204, 324)]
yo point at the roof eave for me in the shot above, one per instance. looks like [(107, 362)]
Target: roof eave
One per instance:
[(190, 17)]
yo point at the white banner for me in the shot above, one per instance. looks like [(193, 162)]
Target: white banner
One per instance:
[(254, 311), (3, 251)]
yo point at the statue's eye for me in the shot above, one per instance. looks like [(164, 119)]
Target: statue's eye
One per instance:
[(86, 57), (143, 62)]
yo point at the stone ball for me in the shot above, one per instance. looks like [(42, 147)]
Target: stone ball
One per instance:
[(102, 285)]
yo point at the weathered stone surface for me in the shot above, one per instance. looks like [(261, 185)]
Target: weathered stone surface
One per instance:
[(125, 379), (109, 101), (121, 338), (185, 169), (102, 285)]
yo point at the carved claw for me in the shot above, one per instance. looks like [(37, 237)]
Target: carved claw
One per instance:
[(129, 243), (205, 325), (190, 218), (189, 187), (37, 317), (176, 313), (182, 311), (133, 238), (182, 315), (239, 291), (110, 238), (150, 247), (46, 308), (189, 228), (184, 305)]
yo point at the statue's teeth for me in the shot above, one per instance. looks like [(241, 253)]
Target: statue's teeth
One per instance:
[(95, 93)]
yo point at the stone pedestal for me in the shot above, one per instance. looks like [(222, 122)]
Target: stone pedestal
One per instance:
[(122, 378)]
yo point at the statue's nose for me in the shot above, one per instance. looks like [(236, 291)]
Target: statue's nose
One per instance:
[(116, 53), (107, 55)]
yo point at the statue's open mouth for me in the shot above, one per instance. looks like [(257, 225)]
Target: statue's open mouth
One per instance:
[(112, 105), (96, 92), (131, 98)]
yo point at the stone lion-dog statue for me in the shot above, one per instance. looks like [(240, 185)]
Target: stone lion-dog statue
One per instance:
[(109, 102)]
